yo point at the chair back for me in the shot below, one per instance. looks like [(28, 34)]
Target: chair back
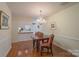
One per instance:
[(51, 38), (39, 34)]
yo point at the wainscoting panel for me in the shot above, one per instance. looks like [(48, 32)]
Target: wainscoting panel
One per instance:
[(68, 43)]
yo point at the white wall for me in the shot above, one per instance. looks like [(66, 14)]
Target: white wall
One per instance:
[(67, 28), (5, 35), (42, 27), (18, 21), (21, 22)]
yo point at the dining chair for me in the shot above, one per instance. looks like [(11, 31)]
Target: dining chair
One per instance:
[(37, 35), (47, 44)]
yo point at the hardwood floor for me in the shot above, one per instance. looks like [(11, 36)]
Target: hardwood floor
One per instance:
[(25, 49)]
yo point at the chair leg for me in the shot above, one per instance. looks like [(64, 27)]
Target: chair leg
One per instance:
[(51, 51), (48, 50), (41, 50), (33, 43), (37, 45)]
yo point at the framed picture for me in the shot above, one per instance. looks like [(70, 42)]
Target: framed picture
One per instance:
[(3, 20), (53, 26)]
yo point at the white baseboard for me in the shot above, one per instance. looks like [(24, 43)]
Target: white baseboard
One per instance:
[(68, 43), (62, 47), (8, 51), (74, 52)]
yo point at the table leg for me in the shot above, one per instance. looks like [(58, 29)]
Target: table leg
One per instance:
[(37, 43), (33, 43)]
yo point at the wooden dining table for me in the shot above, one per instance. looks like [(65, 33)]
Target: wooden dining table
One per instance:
[(36, 41)]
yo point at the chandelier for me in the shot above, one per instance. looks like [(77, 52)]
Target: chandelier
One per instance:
[(41, 19)]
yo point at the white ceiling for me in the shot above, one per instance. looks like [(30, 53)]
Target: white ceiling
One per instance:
[(32, 9)]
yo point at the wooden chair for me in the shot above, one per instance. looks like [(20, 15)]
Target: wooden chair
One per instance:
[(47, 44), (38, 35)]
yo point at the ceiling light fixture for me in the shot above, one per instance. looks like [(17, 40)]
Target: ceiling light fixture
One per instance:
[(41, 19)]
